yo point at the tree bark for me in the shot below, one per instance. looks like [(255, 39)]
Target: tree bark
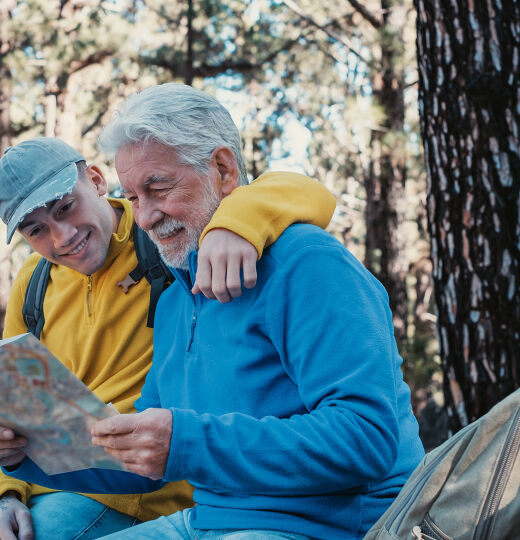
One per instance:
[(468, 56), (385, 183)]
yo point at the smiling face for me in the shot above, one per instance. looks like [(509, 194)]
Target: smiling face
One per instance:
[(173, 202), (76, 230)]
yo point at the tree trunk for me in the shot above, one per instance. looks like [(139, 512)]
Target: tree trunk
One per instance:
[(468, 56), (385, 183)]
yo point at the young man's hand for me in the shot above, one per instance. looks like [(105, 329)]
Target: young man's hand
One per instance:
[(141, 441), (11, 447), (15, 518), (222, 255)]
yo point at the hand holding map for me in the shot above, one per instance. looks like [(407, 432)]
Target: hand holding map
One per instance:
[(47, 404), (11, 447)]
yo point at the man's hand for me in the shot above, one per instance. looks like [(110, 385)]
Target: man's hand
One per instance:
[(11, 447), (222, 255), (15, 518), (141, 441)]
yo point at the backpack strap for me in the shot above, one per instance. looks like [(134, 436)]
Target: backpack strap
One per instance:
[(151, 266), (32, 310)]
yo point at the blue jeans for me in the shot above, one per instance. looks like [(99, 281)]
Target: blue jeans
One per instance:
[(69, 516), (177, 527)]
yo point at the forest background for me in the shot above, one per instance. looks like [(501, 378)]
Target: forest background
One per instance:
[(408, 111)]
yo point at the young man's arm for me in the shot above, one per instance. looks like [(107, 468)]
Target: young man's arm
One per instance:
[(257, 214)]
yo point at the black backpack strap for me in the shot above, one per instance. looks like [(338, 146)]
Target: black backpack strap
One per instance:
[(151, 266), (32, 310)]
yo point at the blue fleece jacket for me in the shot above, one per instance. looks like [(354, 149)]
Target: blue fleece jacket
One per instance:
[(289, 407)]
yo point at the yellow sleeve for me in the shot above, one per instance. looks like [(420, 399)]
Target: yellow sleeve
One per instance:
[(8, 483), (261, 211), (13, 326)]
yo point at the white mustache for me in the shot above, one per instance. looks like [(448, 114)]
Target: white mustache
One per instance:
[(167, 227)]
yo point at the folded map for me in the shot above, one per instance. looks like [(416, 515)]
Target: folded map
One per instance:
[(43, 400)]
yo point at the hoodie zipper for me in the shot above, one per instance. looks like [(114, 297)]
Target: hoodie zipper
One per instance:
[(192, 327), (89, 297)]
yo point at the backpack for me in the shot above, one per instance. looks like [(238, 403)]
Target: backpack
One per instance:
[(467, 488), (149, 265)]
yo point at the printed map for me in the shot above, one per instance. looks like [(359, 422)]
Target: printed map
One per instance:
[(43, 400)]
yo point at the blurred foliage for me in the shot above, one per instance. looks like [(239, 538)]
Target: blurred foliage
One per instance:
[(298, 78)]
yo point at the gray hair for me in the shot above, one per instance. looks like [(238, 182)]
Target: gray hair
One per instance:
[(189, 121)]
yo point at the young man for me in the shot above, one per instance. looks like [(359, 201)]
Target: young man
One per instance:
[(96, 327)]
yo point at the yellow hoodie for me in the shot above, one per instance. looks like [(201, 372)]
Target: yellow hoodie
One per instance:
[(100, 333)]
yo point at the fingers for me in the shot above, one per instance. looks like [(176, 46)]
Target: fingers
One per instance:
[(11, 446), (203, 279), (15, 519), (233, 283), (142, 459), (145, 450), (115, 425), (25, 526), (6, 434), (132, 457), (14, 457), (8, 534), (223, 256), (249, 269), (218, 280), (119, 442)]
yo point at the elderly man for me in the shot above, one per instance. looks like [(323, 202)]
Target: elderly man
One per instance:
[(286, 408)]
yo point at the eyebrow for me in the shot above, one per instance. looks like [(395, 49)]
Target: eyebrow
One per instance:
[(154, 179)]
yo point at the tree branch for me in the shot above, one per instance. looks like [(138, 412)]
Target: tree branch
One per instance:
[(337, 37), (370, 17), (94, 58)]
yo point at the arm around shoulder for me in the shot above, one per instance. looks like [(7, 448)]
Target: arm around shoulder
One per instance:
[(261, 211)]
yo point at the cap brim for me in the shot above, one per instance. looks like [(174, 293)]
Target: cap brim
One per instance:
[(62, 183)]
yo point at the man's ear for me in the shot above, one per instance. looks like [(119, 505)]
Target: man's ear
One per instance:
[(95, 176), (226, 165)]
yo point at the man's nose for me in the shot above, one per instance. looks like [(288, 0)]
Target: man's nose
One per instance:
[(62, 234), (147, 215)]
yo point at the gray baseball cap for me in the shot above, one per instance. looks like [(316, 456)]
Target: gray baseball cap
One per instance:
[(33, 173)]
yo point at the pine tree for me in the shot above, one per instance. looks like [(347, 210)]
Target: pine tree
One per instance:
[(469, 66)]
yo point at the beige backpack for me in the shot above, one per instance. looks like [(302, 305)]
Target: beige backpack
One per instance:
[(467, 488)]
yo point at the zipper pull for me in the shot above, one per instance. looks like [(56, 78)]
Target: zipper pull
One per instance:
[(417, 533)]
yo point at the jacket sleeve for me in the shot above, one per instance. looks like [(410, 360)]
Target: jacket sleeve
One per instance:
[(13, 326), (261, 211), (86, 480), (8, 483), (331, 326)]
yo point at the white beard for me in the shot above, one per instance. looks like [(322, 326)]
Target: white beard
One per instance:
[(176, 253)]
